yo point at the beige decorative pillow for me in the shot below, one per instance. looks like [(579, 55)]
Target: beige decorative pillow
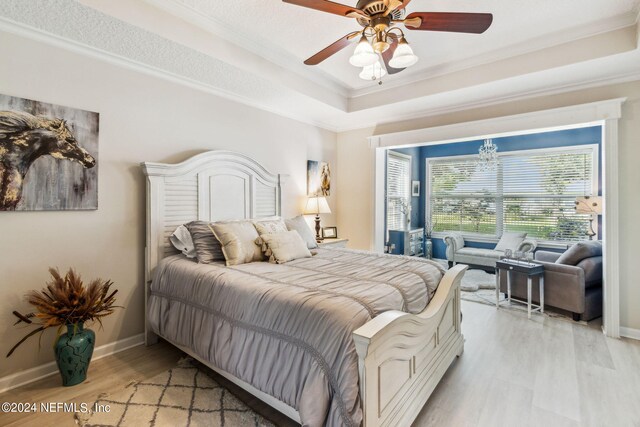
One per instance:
[(286, 246), (238, 241), (270, 226)]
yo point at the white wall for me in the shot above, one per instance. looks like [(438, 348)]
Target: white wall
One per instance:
[(142, 118), (356, 211)]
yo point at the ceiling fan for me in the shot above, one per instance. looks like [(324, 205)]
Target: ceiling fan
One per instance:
[(381, 37)]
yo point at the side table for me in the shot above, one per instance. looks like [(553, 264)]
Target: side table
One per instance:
[(531, 269)]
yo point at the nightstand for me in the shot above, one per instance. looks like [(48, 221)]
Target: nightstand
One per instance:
[(333, 243)]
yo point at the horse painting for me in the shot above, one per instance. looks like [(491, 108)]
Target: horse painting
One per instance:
[(23, 139), (318, 178)]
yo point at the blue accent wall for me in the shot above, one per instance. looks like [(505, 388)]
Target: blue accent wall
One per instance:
[(419, 155)]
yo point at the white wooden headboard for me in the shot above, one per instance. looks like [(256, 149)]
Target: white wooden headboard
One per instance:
[(212, 186)]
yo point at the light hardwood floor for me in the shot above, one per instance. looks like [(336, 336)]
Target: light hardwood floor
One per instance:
[(514, 372)]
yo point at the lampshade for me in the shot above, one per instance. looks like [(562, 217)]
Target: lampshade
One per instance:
[(372, 72), (403, 57), (317, 205), (364, 54), (589, 205)]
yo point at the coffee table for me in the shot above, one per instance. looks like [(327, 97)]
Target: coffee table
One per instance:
[(530, 269)]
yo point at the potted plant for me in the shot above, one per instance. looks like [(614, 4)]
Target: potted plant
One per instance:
[(67, 302)]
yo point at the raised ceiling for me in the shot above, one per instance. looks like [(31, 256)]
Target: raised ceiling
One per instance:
[(253, 51), (280, 30)]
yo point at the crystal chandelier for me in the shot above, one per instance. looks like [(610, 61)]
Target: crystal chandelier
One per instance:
[(487, 156)]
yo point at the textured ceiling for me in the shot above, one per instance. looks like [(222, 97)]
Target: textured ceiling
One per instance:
[(284, 31)]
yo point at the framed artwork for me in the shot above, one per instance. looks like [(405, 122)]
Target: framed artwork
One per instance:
[(330, 232), (318, 178), (48, 156), (415, 188)]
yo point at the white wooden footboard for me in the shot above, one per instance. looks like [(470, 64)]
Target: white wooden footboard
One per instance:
[(402, 357)]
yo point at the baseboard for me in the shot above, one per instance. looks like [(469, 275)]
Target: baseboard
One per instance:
[(30, 375), (630, 333)]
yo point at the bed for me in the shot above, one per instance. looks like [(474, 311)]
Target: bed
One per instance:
[(342, 338)]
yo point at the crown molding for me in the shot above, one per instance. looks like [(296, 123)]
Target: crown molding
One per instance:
[(27, 31), (520, 96)]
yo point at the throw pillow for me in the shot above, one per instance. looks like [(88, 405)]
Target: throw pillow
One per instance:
[(206, 245), (580, 251), (510, 240), (270, 226), (300, 225), (182, 241), (286, 246), (238, 241)]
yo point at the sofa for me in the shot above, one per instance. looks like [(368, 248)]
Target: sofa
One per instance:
[(572, 280), (457, 252)]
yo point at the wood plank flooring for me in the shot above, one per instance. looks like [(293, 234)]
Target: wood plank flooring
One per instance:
[(514, 372)]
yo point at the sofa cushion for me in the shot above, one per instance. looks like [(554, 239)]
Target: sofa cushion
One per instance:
[(592, 271), (580, 251), (510, 240), (480, 253)]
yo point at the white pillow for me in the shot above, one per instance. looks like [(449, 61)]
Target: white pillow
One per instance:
[(182, 241), (510, 240), (300, 225), (285, 246)]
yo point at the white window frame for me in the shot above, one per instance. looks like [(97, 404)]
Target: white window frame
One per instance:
[(391, 153), (489, 238)]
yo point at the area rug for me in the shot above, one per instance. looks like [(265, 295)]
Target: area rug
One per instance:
[(182, 396)]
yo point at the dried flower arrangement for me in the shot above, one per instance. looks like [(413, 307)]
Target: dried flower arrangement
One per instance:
[(67, 301)]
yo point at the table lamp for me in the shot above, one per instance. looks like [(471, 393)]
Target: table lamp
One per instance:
[(317, 205), (589, 205)]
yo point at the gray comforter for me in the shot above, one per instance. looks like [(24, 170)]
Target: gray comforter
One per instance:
[(287, 329)]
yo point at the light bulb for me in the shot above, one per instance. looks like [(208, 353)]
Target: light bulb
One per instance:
[(363, 55), (403, 57), (373, 71)]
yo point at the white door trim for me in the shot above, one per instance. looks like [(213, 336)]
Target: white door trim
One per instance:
[(605, 113)]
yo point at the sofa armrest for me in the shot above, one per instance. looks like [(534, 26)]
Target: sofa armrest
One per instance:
[(454, 242), (547, 256), (528, 245)]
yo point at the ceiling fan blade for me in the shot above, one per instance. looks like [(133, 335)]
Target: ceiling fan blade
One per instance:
[(449, 21), (392, 5), (327, 6), (388, 54), (333, 48)]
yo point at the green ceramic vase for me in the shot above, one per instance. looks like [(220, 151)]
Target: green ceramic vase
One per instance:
[(73, 353)]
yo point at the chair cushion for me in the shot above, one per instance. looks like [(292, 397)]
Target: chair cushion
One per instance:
[(580, 251), (510, 240)]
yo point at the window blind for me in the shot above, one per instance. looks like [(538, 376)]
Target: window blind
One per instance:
[(398, 189), (531, 191)]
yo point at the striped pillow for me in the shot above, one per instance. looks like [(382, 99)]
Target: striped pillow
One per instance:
[(208, 248)]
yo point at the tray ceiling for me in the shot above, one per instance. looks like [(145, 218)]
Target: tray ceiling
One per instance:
[(252, 51)]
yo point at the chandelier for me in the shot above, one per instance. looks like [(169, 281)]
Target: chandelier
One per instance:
[(376, 40), (487, 156)]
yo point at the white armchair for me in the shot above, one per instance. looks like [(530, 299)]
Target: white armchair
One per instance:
[(457, 252)]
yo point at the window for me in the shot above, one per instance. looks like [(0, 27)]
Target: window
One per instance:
[(529, 191), (398, 190)]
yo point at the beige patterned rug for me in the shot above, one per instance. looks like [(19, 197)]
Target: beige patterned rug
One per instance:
[(181, 396)]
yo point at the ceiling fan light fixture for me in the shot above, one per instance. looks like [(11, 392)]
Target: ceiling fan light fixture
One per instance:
[(363, 55), (403, 57), (373, 72)]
